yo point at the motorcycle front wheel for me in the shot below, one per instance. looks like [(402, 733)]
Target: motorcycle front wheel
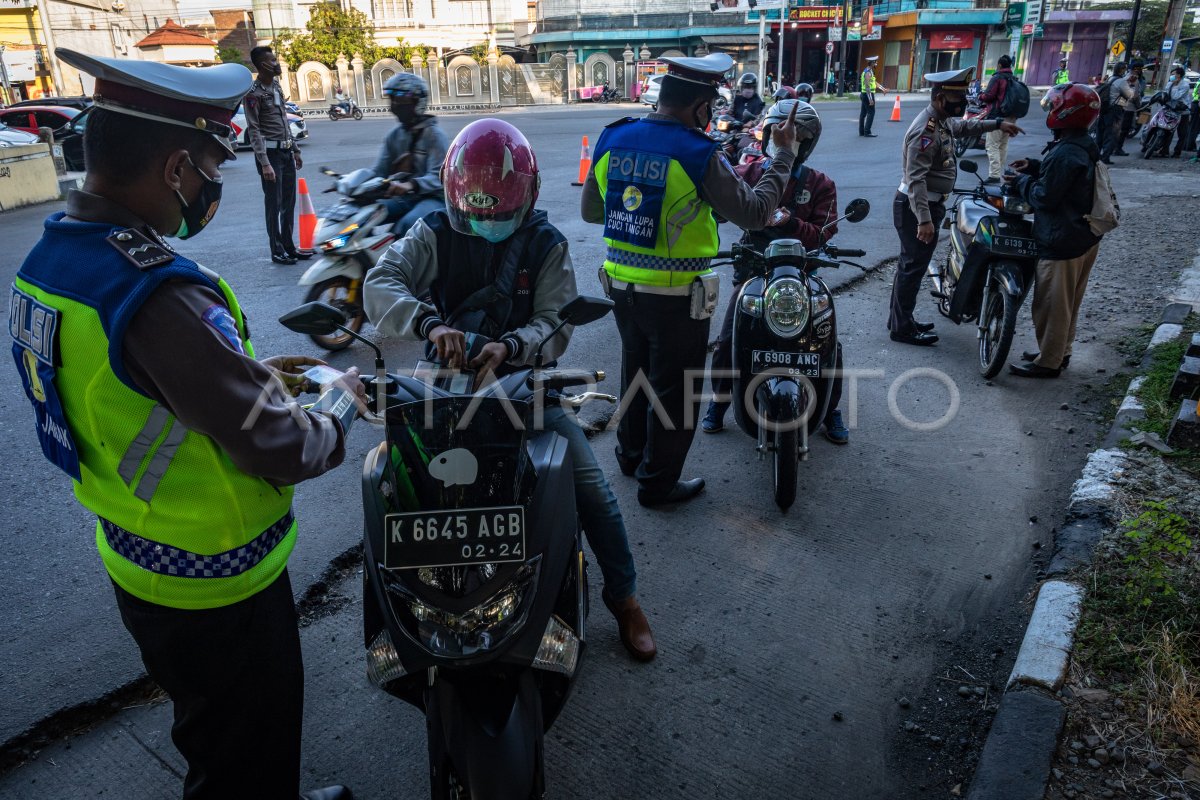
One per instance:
[(787, 456), (997, 322), (335, 292), (333, 116), (358, 113), (1152, 143)]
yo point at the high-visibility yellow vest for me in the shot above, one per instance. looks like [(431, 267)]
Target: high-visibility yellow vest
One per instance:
[(179, 524), (658, 229)]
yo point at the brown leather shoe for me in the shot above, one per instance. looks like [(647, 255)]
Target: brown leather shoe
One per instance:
[(634, 627)]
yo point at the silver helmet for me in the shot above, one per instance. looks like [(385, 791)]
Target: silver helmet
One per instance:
[(407, 85), (808, 126)]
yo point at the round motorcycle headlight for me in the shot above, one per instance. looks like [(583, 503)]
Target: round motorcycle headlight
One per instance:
[(1015, 205), (723, 125), (787, 307)]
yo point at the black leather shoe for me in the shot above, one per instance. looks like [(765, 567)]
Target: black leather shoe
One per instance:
[(1030, 370), (923, 327), (1120, 153), (990, 181), (918, 338), (328, 793), (298, 256), (627, 466), (282, 258), (871, 135), (680, 492), (1027, 356)]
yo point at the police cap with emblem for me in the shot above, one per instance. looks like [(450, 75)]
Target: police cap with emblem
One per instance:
[(952, 80), (707, 71), (200, 98), (871, 59)]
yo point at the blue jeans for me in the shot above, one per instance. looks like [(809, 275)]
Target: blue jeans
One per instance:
[(405, 213), (597, 506)]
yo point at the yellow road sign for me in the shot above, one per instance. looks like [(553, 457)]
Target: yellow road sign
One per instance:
[(1067, 47), (1117, 49)]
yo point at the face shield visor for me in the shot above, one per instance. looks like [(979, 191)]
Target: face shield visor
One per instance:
[(491, 202)]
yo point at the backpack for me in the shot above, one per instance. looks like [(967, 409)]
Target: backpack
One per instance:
[(1106, 213), (1105, 92), (1015, 103)]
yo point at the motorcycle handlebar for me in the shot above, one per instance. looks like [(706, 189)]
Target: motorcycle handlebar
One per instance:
[(562, 378), (846, 252)]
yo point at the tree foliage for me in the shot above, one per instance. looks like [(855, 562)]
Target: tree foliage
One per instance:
[(332, 31), (230, 55), (1151, 18)]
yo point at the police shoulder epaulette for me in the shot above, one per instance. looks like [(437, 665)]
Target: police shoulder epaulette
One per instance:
[(931, 124), (139, 249), (619, 122)]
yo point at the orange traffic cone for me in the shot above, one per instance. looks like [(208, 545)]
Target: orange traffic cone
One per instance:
[(585, 163), (308, 220), (896, 111)]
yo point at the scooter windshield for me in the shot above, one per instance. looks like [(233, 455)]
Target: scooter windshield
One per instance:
[(459, 452)]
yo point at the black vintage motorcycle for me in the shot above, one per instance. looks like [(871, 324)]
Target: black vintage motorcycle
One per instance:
[(785, 348), (475, 594), (990, 268)]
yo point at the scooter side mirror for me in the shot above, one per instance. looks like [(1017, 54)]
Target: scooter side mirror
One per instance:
[(858, 210), (584, 310), (968, 166), (329, 172), (321, 319)]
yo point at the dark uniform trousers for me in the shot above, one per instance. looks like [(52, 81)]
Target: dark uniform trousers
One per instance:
[(659, 339), (236, 680), (914, 261), (280, 197), (866, 114)]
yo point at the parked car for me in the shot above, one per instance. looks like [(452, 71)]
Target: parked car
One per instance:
[(71, 138), (11, 137), (30, 118), (241, 134), (79, 102), (650, 90)]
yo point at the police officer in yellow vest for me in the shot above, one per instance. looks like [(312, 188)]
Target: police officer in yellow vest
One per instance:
[(146, 391), (656, 184), (1063, 73)]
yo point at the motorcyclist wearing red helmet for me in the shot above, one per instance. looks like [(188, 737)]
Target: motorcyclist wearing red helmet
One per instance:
[(1060, 189), (490, 235)]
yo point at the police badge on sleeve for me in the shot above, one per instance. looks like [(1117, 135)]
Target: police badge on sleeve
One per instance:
[(634, 198), (34, 329)]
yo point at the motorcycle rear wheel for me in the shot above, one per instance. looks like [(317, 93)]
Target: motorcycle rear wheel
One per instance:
[(786, 462), (998, 320), (1152, 143), (358, 113), (333, 291)]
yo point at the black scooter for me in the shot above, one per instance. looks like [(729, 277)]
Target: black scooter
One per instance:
[(990, 268), (728, 132), (475, 595), (785, 348)]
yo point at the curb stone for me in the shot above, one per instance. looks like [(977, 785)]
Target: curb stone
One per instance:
[(1016, 758)]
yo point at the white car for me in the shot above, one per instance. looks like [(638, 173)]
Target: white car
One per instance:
[(11, 137), (649, 94), (241, 134)]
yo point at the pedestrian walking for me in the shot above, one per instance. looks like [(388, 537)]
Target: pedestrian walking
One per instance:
[(929, 171), (1061, 191), (1137, 82), (993, 98), (275, 154), (147, 393), (656, 184), (867, 86)]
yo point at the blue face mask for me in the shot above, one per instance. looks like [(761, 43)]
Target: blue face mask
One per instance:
[(495, 231)]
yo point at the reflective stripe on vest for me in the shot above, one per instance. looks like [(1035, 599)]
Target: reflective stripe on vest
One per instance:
[(643, 261), (164, 559)]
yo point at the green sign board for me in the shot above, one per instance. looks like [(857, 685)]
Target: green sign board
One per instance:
[(1039, 31), (1014, 17)]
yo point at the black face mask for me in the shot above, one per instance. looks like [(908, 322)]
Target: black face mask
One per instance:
[(956, 109), (702, 124), (406, 113), (198, 213)]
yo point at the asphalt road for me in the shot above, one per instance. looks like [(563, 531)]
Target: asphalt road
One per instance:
[(767, 624)]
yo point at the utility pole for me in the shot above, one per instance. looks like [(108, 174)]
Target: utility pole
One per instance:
[(1171, 30), (841, 78), (8, 95), (1137, 9), (43, 12)]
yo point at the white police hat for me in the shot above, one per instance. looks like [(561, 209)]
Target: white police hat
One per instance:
[(707, 71), (954, 80), (200, 98)]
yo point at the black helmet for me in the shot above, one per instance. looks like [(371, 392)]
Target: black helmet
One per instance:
[(804, 91), (1137, 63), (748, 80), (785, 93)]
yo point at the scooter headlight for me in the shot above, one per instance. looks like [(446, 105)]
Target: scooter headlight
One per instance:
[(479, 629), (1015, 205), (786, 307), (559, 650), (723, 125), (822, 306)]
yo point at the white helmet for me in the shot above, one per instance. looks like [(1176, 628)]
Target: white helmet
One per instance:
[(808, 126)]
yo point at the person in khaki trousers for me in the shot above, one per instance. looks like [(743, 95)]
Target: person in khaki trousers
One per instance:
[(993, 97), (1061, 190)]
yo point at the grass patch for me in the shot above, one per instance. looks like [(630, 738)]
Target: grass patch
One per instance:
[(1132, 346), (1155, 393)]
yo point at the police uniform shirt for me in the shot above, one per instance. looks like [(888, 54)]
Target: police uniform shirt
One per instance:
[(266, 117), (928, 163), (748, 207), (182, 350)]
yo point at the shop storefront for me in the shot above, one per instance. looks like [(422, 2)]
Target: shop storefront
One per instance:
[(1084, 37)]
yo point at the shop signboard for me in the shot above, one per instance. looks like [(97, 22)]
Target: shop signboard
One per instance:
[(815, 14), (1014, 17)]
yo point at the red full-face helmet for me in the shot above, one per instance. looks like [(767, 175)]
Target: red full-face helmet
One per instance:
[(1072, 106), (491, 180)]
